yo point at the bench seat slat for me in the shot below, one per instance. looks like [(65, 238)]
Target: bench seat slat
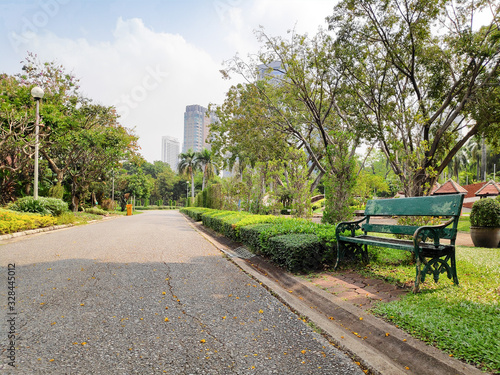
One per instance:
[(448, 233), (393, 243)]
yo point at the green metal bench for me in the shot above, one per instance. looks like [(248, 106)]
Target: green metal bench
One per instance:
[(437, 257)]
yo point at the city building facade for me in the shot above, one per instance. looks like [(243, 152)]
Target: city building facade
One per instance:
[(196, 128), (170, 149)]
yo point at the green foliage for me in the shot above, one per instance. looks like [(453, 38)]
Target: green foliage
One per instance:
[(296, 252), (485, 213), (250, 235), (56, 191), (96, 211), (382, 44), (11, 222), (341, 182), (318, 204), (42, 205), (195, 212)]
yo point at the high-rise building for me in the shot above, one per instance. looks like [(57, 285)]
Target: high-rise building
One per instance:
[(196, 128), (170, 147)]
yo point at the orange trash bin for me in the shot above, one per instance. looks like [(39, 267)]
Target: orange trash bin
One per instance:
[(129, 209)]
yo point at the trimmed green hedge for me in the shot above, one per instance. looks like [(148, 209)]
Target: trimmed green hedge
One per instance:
[(194, 212), (296, 252), (311, 244), (250, 235)]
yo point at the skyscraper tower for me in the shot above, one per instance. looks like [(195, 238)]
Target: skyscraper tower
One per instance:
[(196, 128), (170, 147)]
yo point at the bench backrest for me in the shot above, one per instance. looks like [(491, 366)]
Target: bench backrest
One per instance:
[(444, 205), (438, 205)]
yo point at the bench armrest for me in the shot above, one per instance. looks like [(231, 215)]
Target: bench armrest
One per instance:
[(349, 225), (430, 231)]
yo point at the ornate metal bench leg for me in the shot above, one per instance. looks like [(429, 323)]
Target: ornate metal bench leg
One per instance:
[(454, 268), (339, 254), (365, 254), (416, 286)]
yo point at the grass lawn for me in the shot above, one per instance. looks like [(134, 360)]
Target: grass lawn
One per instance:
[(464, 224), (463, 321)]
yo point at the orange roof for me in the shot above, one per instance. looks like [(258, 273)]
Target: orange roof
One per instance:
[(450, 187), (472, 188), (491, 188)]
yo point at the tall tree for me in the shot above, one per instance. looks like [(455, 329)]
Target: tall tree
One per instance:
[(188, 164), (302, 102), (415, 66), (205, 161)]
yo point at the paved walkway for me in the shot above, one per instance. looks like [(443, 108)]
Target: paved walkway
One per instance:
[(148, 294)]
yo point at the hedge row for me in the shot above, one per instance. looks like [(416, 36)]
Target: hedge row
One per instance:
[(296, 244), (11, 222), (145, 208)]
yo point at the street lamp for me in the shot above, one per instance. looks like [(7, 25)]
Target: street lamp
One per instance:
[(37, 93)]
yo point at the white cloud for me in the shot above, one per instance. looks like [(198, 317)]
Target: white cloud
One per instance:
[(150, 77)]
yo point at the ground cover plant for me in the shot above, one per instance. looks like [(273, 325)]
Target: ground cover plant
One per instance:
[(462, 321), (11, 221)]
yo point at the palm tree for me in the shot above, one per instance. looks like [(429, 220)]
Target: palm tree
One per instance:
[(205, 161), (187, 166)]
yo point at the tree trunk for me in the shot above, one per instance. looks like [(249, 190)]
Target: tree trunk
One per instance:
[(483, 160), (192, 185)]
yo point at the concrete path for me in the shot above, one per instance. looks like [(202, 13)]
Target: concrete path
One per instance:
[(147, 294)]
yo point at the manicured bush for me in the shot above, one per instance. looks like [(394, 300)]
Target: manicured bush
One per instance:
[(42, 205), (296, 252), (195, 212), (485, 213), (250, 235)]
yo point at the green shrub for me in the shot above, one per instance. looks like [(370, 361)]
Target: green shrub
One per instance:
[(250, 235), (95, 211), (42, 205), (296, 252), (56, 191), (485, 213), (194, 212)]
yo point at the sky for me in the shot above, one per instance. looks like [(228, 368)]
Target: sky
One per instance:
[(148, 58)]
